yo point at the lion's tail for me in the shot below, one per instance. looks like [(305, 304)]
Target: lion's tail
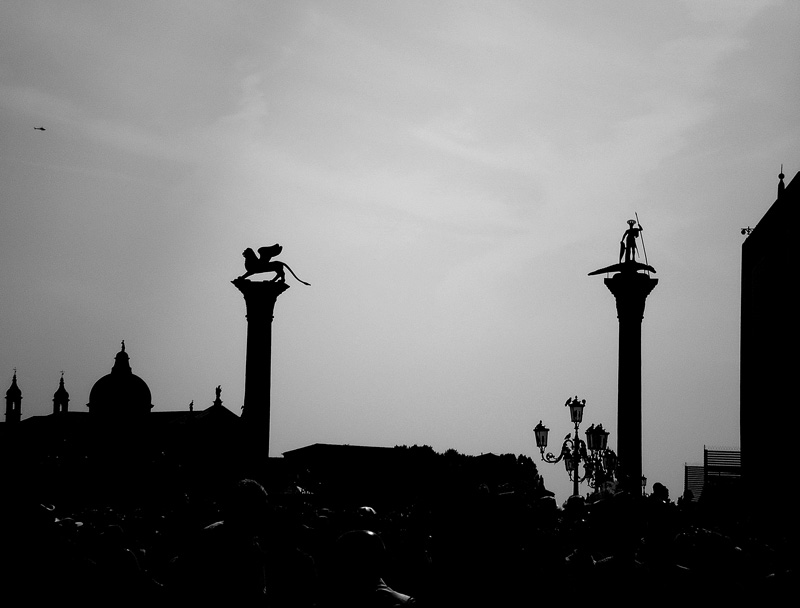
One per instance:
[(295, 276)]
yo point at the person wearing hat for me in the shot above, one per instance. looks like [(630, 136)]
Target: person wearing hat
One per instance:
[(627, 246)]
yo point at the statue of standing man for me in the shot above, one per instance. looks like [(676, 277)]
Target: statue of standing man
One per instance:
[(627, 246)]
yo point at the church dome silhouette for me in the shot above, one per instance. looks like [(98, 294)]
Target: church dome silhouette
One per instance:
[(120, 393)]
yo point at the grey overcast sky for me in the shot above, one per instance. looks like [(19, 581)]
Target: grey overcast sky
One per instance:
[(445, 174)]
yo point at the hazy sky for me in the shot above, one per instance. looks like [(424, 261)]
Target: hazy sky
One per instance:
[(445, 174)]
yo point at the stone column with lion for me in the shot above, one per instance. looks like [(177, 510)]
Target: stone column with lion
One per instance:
[(260, 298)]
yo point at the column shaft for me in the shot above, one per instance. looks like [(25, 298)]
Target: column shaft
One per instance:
[(260, 298), (630, 290)]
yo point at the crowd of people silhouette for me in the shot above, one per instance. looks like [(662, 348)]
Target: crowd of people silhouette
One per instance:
[(476, 547)]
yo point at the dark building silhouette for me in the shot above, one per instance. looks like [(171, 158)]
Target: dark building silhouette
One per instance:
[(378, 476), (769, 334), (693, 481), (722, 470), (119, 448), (718, 476)]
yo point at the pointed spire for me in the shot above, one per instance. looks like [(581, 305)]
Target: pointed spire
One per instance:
[(13, 390), (61, 390), (781, 185)]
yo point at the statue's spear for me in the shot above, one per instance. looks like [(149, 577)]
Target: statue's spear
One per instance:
[(641, 235)]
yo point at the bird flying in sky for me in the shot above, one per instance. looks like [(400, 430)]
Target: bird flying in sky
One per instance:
[(39, 128)]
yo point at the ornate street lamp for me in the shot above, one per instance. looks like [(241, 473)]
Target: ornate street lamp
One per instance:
[(599, 462), (576, 409)]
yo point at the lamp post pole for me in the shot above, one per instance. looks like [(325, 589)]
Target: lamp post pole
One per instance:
[(576, 458)]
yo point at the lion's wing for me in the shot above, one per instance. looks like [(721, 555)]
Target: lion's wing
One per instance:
[(269, 252)]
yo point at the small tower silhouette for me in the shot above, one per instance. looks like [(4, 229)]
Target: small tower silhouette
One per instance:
[(13, 401), (61, 398)]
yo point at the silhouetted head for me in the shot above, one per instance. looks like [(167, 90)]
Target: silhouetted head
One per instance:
[(631, 223), (360, 555), (575, 505), (660, 491), (366, 514), (247, 504)]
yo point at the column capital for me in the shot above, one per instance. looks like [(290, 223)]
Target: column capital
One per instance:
[(630, 290), (260, 296)]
